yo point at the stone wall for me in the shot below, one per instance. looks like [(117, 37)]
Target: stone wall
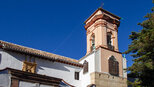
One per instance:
[(105, 80)]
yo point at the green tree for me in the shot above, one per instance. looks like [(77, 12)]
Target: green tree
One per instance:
[(142, 49)]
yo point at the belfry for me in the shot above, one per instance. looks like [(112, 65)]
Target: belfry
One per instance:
[(102, 42)]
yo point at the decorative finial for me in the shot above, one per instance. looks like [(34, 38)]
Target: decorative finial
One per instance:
[(102, 4), (124, 55), (121, 18)]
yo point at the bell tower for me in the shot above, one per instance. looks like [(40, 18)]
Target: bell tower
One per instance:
[(102, 28), (106, 64)]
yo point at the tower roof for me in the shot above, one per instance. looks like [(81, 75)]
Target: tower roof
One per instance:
[(105, 11)]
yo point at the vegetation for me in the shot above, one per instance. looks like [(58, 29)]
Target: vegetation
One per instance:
[(142, 49)]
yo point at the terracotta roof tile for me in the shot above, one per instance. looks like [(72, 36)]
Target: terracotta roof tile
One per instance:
[(39, 53)]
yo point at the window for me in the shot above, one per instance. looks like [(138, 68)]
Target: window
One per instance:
[(85, 67), (0, 58), (113, 66), (109, 41), (92, 42), (76, 75), (29, 65)]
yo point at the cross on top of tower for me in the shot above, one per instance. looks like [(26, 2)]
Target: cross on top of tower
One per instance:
[(102, 4)]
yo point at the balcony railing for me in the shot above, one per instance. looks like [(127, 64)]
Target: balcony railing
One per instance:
[(110, 47)]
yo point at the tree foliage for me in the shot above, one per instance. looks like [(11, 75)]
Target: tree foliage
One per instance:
[(142, 49)]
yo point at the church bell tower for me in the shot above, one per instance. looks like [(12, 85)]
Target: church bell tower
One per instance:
[(102, 28), (102, 42)]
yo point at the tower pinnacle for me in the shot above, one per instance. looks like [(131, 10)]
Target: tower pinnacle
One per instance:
[(102, 4)]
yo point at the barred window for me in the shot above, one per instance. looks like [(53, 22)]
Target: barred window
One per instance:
[(76, 75), (0, 58), (85, 67), (92, 42), (109, 39), (113, 66)]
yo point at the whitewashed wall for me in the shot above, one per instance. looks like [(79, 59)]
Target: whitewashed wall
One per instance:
[(27, 84), (59, 70), (30, 84), (11, 60), (94, 65), (44, 67), (5, 79)]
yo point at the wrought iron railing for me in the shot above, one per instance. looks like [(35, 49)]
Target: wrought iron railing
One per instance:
[(110, 47)]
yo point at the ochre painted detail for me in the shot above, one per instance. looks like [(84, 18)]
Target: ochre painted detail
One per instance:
[(29, 67)]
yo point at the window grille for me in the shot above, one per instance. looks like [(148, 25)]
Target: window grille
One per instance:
[(76, 75), (113, 66), (85, 67)]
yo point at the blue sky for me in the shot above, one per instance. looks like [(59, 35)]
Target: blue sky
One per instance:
[(57, 26)]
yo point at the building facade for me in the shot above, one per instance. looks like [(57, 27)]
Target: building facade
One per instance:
[(102, 66), (102, 50)]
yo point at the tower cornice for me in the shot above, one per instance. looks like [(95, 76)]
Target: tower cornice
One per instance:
[(100, 23), (102, 16), (105, 11)]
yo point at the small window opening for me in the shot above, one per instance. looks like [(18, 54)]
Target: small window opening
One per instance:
[(92, 42), (85, 67), (0, 58), (109, 41), (76, 76)]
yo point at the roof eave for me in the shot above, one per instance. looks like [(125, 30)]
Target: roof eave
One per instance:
[(103, 11)]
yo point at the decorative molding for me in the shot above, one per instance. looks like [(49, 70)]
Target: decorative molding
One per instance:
[(102, 16), (115, 27), (101, 23), (113, 37), (104, 11), (100, 46), (110, 32), (88, 31)]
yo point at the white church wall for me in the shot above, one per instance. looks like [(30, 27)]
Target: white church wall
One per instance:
[(41, 85), (98, 60), (30, 84), (85, 78), (93, 60), (44, 67), (27, 84), (59, 70), (5, 79), (11, 60)]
